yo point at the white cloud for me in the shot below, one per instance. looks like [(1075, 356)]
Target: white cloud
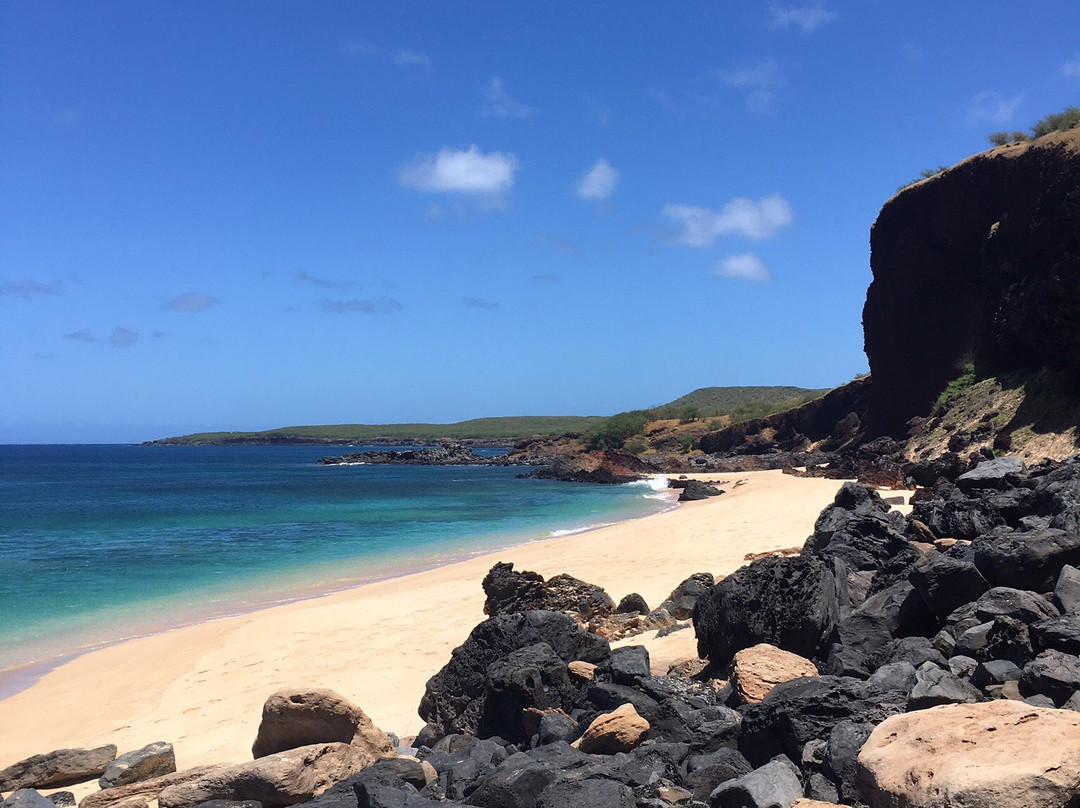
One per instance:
[(378, 305), (27, 287), (806, 17), (468, 172), (745, 267), (194, 301), (326, 283), (1072, 67), (992, 107), (406, 57), (500, 105), (598, 182), (761, 83), (82, 335), (123, 337), (480, 303), (754, 219)]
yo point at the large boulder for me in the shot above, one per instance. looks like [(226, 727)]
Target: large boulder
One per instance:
[(285, 778), (618, 731), (144, 791), (791, 603), (453, 700), (757, 670), (532, 677), (680, 603), (153, 760), (860, 529), (300, 717), (61, 767), (509, 592), (774, 784), (980, 264), (1026, 559), (1000, 754)]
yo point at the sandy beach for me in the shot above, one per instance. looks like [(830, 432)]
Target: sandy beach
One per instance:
[(202, 687)]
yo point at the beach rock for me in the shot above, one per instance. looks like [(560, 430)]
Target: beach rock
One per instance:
[(509, 592), (934, 686), (803, 710), (846, 738), (806, 802), (680, 603), (61, 767), (757, 670), (627, 665), (453, 698), (283, 778), (556, 727), (1000, 473), (1067, 590), (1053, 674), (706, 771), (860, 529), (532, 677), (618, 731), (774, 785), (591, 793), (230, 804), (153, 760), (1030, 560), (999, 754), (1003, 601), (1060, 633), (945, 582), (292, 718), (632, 603), (695, 490), (791, 603), (145, 790), (27, 798), (62, 799), (513, 786)]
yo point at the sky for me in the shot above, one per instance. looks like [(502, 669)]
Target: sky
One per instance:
[(220, 215)]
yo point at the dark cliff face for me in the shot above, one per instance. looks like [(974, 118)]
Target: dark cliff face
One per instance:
[(979, 265)]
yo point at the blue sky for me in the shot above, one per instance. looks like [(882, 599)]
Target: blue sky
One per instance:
[(236, 215)]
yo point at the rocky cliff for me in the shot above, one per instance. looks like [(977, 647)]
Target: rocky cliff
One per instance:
[(979, 266)]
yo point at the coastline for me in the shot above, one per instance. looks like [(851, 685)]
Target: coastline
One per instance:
[(201, 687)]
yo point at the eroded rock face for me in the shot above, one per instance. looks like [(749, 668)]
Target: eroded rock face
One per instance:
[(285, 778), (981, 265), (509, 591), (791, 603), (1000, 754), (300, 717), (61, 767)]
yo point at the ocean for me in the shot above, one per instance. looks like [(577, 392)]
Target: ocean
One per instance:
[(100, 543)]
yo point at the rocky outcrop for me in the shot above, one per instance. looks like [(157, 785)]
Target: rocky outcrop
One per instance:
[(300, 717), (61, 767), (618, 731), (153, 760), (509, 592), (447, 454), (607, 468), (1001, 754), (979, 265)]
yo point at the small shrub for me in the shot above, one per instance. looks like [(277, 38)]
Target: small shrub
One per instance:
[(636, 445), (689, 414), (614, 432), (1002, 138), (1058, 122), (686, 442), (957, 386)]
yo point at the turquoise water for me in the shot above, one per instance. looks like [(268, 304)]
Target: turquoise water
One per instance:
[(99, 543)]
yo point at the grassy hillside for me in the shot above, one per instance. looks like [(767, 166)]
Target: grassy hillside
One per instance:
[(742, 403), (501, 429)]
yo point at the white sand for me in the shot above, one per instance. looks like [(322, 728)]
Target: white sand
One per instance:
[(202, 687)]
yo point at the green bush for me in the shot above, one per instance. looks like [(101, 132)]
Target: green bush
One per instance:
[(636, 444), (686, 442), (957, 386), (1058, 122), (613, 433), (689, 414), (1001, 138)]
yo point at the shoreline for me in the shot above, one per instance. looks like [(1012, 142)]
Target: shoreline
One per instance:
[(35, 659), (201, 687)]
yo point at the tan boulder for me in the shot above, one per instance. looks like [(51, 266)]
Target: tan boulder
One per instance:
[(757, 670), (285, 778), (806, 802), (582, 670), (999, 754), (145, 790), (294, 717), (618, 731)]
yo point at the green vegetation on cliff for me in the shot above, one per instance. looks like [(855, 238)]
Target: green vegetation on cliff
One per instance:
[(479, 429)]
